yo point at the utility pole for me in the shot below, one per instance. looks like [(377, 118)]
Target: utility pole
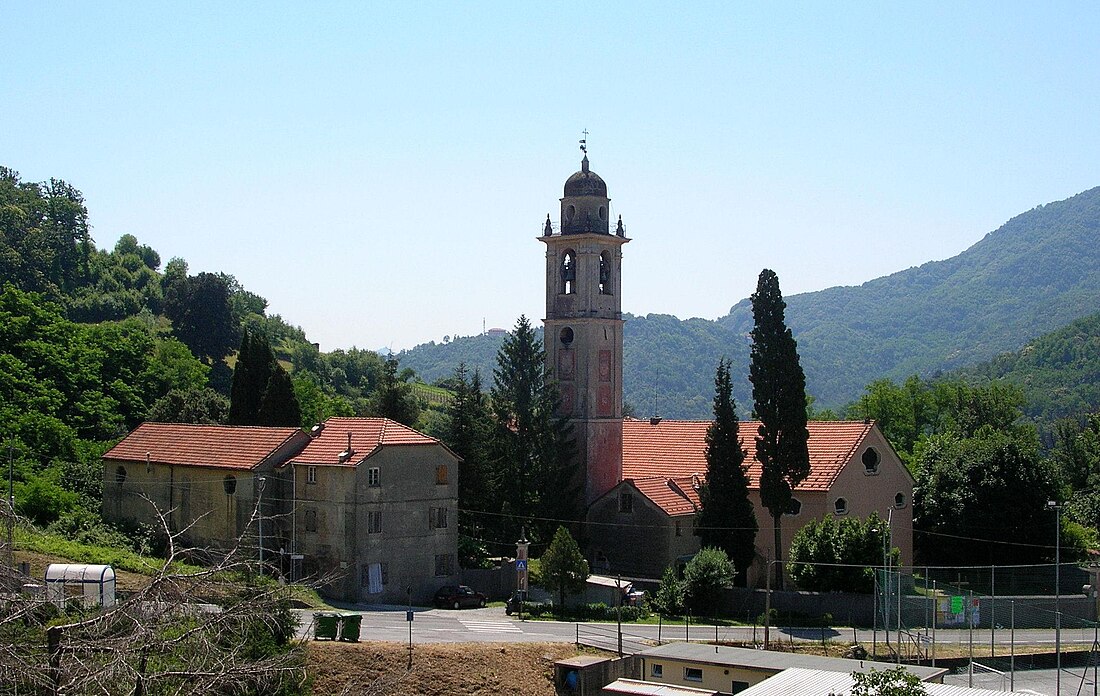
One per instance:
[(11, 505), (260, 508)]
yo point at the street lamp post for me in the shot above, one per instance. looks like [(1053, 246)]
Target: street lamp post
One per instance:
[(1057, 507)]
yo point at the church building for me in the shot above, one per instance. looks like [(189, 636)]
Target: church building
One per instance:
[(641, 478)]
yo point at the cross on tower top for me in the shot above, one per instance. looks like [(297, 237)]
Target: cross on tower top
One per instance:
[(584, 141)]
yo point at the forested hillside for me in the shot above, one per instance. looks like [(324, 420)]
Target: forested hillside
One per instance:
[(1058, 373), (94, 341), (1037, 272)]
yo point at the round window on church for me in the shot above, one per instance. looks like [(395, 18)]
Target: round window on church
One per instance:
[(603, 213), (566, 336), (570, 212)]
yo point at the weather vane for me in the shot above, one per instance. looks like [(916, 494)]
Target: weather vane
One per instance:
[(584, 141)]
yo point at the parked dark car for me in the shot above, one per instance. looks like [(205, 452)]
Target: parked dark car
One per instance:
[(457, 597)]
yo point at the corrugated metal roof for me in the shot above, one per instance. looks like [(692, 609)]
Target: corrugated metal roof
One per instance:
[(770, 660), (643, 688), (797, 681)]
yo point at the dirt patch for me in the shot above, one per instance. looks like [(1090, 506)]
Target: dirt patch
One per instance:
[(466, 669)]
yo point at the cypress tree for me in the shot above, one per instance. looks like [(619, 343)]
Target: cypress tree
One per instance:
[(725, 518), (255, 365), (279, 406), (779, 395)]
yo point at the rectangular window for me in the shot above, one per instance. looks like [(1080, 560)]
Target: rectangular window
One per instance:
[(694, 674), (441, 475), (626, 502), (311, 520), (437, 518), (657, 670), (737, 687), (311, 474), (374, 477), (444, 564), (374, 522), (679, 528)]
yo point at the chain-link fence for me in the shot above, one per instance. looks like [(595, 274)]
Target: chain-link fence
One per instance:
[(922, 613)]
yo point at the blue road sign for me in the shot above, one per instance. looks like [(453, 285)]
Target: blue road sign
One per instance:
[(521, 564)]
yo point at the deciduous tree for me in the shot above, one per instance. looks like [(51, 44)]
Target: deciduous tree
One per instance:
[(705, 576), (838, 555), (563, 566)]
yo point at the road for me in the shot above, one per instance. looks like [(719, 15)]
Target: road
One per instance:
[(491, 624)]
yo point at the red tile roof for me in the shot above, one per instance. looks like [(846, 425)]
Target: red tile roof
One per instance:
[(676, 449), (368, 435), (674, 496), (219, 446)]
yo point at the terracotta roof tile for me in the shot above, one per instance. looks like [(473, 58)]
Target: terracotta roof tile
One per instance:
[(674, 496), (220, 446), (368, 435), (676, 449)]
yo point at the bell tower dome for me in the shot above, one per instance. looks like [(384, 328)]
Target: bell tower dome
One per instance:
[(584, 325)]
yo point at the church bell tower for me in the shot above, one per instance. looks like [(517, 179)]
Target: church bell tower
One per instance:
[(584, 326)]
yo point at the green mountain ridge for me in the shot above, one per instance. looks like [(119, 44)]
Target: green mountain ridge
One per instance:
[(1037, 272), (1059, 372)]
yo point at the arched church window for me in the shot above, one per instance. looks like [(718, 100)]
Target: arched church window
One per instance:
[(605, 273), (568, 272)]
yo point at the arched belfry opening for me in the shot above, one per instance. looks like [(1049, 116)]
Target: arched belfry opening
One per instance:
[(568, 272), (584, 325), (605, 273)]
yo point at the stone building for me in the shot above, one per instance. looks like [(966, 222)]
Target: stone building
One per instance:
[(206, 479), (374, 513), (365, 505)]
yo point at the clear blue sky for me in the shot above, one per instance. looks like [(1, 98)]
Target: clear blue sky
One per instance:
[(379, 171)]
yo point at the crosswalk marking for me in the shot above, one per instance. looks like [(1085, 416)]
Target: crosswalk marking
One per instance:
[(490, 626)]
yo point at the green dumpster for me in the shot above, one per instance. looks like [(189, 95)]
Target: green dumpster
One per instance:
[(349, 626), (325, 625)]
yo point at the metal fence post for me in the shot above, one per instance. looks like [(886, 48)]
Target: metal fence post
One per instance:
[(992, 615), (935, 598), (1012, 646)]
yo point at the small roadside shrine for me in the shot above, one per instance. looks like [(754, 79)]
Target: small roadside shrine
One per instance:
[(94, 584)]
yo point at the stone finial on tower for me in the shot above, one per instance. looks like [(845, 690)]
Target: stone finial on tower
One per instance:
[(619, 228), (548, 228)]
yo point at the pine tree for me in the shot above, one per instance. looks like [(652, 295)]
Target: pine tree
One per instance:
[(725, 518), (279, 406), (467, 434), (468, 429), (394, 398), (534, 473), (779, 395)]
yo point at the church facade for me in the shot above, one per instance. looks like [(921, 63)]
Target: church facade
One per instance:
[(641, 478)]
